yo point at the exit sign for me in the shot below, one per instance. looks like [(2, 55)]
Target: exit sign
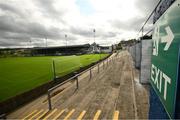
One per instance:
[(165, 57)]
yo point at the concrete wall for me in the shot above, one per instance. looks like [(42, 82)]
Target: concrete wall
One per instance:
[(137, 55), (132, 51), (135, 52), (146, 51)]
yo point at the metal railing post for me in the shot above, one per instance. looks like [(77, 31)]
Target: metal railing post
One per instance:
[(3, 116), (98, 67), (54, 70), (49, 101), (103, 64), (90, 73), (77, 83)]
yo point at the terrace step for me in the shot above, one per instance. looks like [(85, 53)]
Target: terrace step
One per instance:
[(66, 114)]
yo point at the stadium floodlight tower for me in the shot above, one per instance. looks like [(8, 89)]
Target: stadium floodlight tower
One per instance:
[(66, 39), (46, 42), (46, 45), (94, 31)]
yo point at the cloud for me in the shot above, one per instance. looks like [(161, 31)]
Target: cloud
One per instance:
[(35, 20), (15, 32), (10, 25), (133, 24), (81, 31), (8, 8), (48, 9), (146, 6)]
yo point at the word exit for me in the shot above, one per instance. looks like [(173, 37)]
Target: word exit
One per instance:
[(160, 79)]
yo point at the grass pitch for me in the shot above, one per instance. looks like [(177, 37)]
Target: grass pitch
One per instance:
[(20, 74)]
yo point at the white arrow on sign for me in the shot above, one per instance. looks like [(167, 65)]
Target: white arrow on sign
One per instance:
[(168, 38)]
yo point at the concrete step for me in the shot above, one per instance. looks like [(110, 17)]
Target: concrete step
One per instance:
[(65, 114)]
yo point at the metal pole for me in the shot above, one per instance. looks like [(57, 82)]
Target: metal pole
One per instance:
[(98, 67), (54, 70), (90, 73), (66, 39), (77, 83), (142, 32), (103, 64), (94, 35), (49, 101), (150, 16), (46, 45), (3, 116), (46, 42)]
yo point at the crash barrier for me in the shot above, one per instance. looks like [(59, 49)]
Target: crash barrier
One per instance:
[(104, 63)]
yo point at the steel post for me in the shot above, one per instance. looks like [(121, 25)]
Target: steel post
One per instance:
[(103, 64), (77, 82), (49, 101), (90, 73), (98, 67), (54, 70)]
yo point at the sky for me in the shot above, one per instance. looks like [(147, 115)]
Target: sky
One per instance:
[(29, 23)]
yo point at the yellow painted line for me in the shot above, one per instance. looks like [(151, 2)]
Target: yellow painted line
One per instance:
[(52, 112), (69, 114), (81, 115), (58, 115), (36, 114), (116, 115), (97, 115), (40, 116), (29, 114)]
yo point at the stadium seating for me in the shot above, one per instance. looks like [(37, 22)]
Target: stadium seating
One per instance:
[(66, 114)]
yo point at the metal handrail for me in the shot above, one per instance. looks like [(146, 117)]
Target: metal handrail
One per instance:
[(73, 77), (3, 116), (148, 32), (142, 28)]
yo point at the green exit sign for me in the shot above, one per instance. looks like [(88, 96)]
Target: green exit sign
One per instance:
[(165, 57)]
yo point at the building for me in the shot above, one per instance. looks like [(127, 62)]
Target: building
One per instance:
[(106, 49), (56, 51), (62, 50)]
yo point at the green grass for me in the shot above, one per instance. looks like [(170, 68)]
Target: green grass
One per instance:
[(20, 74)]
